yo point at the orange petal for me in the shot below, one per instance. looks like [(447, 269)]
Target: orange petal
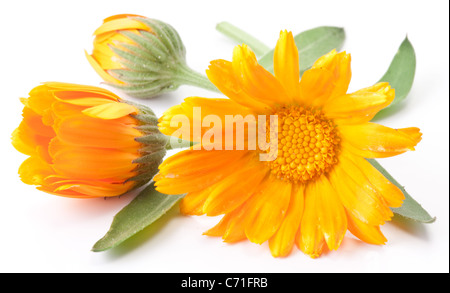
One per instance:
[(282, 242), (392, 194), (235, 189), (92, 163), (32, 136), (93, 189), (90, 132), (71, 90), (120, 16), (338, 64), (40, 100), (220, 73), (110, 110), (360, 106), (357, 194), (34, 170), (368, 233), (256, 81), (192, 203), (331, 213), (231, 227), (266, 211), (114, 24), (315, 87), (286, 64), (190, 118), (309, 238), (101, 70), (185, 172), (371, 140)]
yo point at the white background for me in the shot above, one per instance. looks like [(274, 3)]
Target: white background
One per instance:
[(44, 41)]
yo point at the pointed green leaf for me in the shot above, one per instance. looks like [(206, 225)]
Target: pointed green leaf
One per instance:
[(400, 76), (311, 45), (410, 208), (240, 36), (141, 212)]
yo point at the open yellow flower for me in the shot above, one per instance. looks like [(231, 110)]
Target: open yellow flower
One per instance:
[(84, 141), (320, 185)]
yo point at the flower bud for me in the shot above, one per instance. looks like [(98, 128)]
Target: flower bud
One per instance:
[(143, 57), (84, 141)]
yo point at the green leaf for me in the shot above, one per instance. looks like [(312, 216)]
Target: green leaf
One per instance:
[(400, 76), (239, 36), (142, 211), (410, 208), (311, 44)]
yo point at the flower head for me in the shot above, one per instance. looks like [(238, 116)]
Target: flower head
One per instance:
[(138, 55), (318, 184), (84, 141)]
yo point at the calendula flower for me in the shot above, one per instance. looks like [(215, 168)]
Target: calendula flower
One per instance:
[(141, 56), (84, 141), (319, 184)]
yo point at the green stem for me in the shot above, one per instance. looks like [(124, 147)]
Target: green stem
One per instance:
[(240, 36), (185, 75)]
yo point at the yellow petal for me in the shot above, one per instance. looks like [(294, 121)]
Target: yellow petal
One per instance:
[(100, 71), (110, 110), (70, 90), (40, 100), (309, 238), (175, 178), (357, 195), (92, 163), (113, 24), (266, 211), (338, 64), (220, 108), (34, 170), (392, 194), (32, 136), (235, 189), (286, 64), (256, 81), (360, 106), (331, 213), (120, 16), (282, 242), (220, 73), (231, 227), (93, 189), (91, 132), (315, 87), (371, 140), (192, 203), (368, 233)]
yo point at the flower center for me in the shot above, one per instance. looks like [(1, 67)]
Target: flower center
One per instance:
[(307, 145)]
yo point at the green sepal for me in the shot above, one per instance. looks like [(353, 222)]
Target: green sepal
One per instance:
[(150, 43), (167, 35), (147, 207), (400, 76)]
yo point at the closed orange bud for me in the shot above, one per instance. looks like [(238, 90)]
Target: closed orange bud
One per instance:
[(142, 57), (84, 141)]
